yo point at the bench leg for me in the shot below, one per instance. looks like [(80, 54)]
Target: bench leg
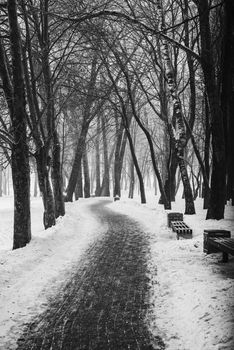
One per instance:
[(225, 257)]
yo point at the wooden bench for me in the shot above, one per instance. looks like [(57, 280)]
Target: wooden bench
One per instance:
[(182, 229), (174, 216), (224, 245)]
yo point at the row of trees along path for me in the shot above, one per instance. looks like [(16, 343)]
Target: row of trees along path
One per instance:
[(147, 85)]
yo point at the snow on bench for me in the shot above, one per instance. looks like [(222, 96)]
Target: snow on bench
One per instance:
[(174, 216)]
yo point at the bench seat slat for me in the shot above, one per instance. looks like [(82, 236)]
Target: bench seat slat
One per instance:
[(181, 228), (223, 244)]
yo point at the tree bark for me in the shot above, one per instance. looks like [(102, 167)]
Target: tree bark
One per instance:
[(84, 129), (178, 134), (43, 165), (79, 185), (131, 180), (138, 171), (218, 176), (166, 203), (206, 190), (77, 161), (97, 160), (227, 92), (188, 194), (105, 189), (56, 176), (0, 181), (52, 135), (119, 155), (86, 174), (20, 151)]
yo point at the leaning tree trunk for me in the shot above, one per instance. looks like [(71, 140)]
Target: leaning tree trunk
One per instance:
[(119, 155), (138, 171), (20, 151), (167, 204), (188, 194), (79, 185), (131, 145), (132, 180), (43, 166), (133, 154), (77, 161), (84, 130)]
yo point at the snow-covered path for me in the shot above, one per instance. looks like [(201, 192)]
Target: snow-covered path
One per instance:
[(192, 294), (31, 275), (104, 304)]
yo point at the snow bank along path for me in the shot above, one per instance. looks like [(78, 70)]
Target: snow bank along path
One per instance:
[(28, 276), (192, 300), (192, 295)]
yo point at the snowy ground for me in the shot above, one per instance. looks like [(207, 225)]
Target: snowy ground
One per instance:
[(192, 293)]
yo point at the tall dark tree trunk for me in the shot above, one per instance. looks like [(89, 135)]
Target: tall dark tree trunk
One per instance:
[(86, 174), (218, 176), (206, 190), (117, 170), (131, 180), (188, 194), (0, 181), (166, 160), (173, 169), (192, 116), (105, 190), (20, 151), (56, 176), (79, 185), (227, 92), (118, 162), (43, 165), (77, 161), (136, 165), (97, 160)]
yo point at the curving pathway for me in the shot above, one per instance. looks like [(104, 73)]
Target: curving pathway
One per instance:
[(104, 305)]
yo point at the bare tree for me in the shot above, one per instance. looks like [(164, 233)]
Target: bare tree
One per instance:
[(14, 90)]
